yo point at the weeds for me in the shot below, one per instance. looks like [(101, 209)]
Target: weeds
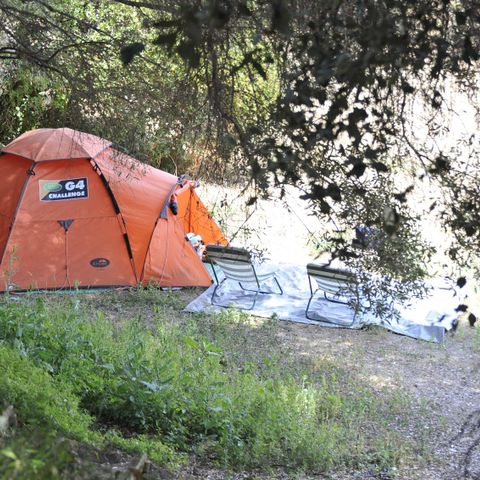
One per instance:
[(36, 455), (39, 399), (201, 386)]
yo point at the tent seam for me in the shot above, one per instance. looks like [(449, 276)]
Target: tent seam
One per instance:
[(116, 206), (160, 216)]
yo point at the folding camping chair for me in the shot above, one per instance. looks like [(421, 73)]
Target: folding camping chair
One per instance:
[(336, 286), (236, 264)]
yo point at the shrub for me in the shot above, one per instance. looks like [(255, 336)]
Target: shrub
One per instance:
[(39, 399), (38, 455)]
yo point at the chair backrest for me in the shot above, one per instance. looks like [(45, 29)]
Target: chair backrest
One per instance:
[(235, 262), (331, 280)]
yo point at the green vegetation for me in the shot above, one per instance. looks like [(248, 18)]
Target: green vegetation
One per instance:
[(352, 103), (158, 109), (220, 388), (42, 456)]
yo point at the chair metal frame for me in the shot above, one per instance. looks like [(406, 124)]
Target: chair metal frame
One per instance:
[(239, 255), (342, 276)]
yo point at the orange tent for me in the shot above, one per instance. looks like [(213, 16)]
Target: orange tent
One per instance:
[(74, 211)]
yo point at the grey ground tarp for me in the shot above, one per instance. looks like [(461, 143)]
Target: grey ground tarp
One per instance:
[(426, 319)]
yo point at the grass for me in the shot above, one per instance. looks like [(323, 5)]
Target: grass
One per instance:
[(222, 388)]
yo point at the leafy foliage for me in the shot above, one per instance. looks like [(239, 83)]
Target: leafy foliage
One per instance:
[(63, 58), (33, 455)]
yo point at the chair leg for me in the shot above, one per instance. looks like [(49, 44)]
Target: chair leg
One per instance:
[(254, 301), (227, 306), (261, 291), (324, 319), (332, 300), (246, 289), (257, 292), (213, 295), (214, 272), (308, 305), (278, 285), (251, 289)]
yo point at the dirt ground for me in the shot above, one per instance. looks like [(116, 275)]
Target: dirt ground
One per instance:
[(445, 379), (442, 380)]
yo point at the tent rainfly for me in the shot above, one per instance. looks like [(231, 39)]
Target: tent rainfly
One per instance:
[(76, 212)]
